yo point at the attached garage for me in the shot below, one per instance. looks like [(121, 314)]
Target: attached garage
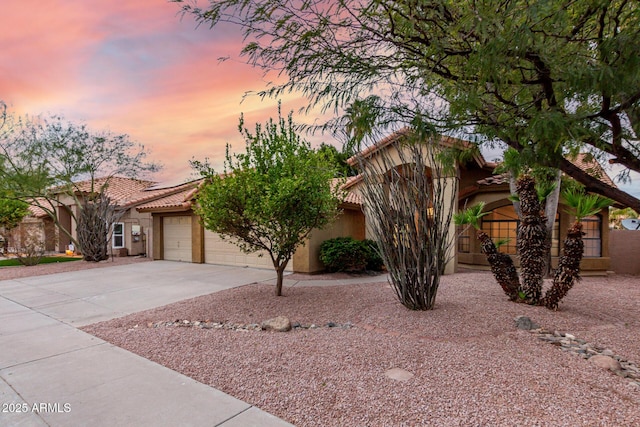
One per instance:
[(176, 238), (218, 251), (178, 235)]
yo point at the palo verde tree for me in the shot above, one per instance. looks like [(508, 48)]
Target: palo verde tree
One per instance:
[(270, 197), (556, 76), (53, 164)]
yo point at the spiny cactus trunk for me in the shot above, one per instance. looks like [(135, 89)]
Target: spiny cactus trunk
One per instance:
[(95, 218), (568, 272), (532, 240), (501, 266)]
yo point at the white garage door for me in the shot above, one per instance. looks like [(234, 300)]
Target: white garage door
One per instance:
[(218, 251), (177, 238)]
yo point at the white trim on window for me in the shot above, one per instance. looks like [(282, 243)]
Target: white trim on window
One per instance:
[(117, 240)]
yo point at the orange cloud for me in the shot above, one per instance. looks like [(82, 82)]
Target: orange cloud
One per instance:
[(133, 67)]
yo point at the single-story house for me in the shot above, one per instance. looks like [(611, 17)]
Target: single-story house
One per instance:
[(479, 184), (132, 233), (161, 223), (180, 236)]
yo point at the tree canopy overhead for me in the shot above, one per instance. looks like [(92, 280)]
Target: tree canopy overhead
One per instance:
[(553, 77)]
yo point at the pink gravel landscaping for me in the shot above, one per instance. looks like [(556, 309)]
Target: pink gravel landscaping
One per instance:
[(467, 364)]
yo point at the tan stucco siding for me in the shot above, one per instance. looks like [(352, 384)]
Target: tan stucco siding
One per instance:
[(350, 223), (137, 244)]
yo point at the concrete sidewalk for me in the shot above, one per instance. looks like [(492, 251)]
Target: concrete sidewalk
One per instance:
[(52, 374)]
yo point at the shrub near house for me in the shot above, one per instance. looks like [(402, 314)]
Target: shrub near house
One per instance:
[(348, 254)]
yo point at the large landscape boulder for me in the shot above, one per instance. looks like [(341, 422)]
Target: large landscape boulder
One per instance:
[(277, 324)]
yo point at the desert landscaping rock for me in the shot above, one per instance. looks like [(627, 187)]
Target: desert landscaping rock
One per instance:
[(399, 374), (207, 324), (602, 357), (524, 323), (277, 324), (606, 362)]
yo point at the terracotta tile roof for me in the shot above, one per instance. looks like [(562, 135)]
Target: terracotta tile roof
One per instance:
[(182, 201), (587, 163), (583, 160), (394, 137), (443, 140), (351, 197), (128, 192), (495, 180), (179, 201), (351, 181), (37, 211), (119, 189)]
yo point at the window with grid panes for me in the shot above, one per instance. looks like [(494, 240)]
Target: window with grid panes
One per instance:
[(502, 224), (464, 239), (592, 238)]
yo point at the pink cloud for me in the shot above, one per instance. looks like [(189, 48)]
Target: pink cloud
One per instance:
[(132, 67)]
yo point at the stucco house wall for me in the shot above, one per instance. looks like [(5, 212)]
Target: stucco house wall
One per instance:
[(137, 233), (624, 249), (495, 199), (350, 223)]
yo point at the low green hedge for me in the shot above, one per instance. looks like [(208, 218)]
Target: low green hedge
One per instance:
[(348, 254)]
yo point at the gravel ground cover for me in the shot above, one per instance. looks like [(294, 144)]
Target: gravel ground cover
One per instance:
[(462, 364)]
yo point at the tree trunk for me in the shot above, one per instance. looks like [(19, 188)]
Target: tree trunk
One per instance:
[(513, 190), (532, 240), (501, 266), (550, 211), (568, 272), (280, 279)]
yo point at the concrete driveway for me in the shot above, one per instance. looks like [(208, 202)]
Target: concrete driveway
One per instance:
[(52, 374)]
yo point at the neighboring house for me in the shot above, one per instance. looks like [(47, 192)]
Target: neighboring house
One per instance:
[(132, 234), (178, 233), (34, 229)]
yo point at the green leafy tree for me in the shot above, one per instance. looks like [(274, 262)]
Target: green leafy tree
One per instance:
[(557, 77), (270, 197), (11, 213), (52, 163), (338, 159)]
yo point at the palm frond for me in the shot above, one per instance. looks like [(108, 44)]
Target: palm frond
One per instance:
[(582, 204), (470, 216)]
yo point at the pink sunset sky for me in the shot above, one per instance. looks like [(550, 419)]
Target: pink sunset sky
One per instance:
[(134, 67), (137, 67)]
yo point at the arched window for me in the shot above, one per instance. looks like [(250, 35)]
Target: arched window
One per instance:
[(501, 224)]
